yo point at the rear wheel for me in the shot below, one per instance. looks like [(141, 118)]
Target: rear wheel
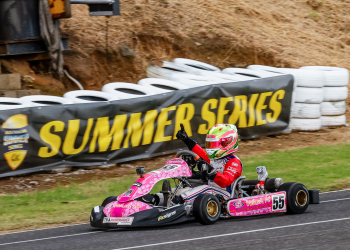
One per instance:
[(206, 209), (297, 197), (109, 200)]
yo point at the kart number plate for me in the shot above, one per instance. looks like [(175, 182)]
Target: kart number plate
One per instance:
[(119, 220), (278, 202)]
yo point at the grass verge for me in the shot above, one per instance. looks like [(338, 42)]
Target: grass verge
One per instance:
[(322, 167)]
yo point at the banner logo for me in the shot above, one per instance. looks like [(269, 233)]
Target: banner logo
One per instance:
[(16, 137)]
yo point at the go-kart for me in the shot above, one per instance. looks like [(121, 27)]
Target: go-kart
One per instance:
[(131, 210)]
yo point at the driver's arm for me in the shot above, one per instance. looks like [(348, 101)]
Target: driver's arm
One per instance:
[(192, 145), (233, 169)]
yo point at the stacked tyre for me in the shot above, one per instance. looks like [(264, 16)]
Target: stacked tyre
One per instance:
[(335, 92), (307, 96)]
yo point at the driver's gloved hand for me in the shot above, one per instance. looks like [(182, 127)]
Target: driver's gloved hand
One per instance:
[(182, 135), (210, 169)]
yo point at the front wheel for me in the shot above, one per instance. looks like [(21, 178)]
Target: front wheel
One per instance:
[(109, 200), (297, 197), (206, 209)]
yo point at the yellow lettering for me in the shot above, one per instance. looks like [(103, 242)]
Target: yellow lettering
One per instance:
[(136, 128), (221, 110), (251, 105), (162, 123), (239, 112), (208, 116), (104, 134), (260, 106), (72, 133), (184, 114), (275, 105), (53, 140)]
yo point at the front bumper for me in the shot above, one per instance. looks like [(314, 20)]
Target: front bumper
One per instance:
[(147, 218)]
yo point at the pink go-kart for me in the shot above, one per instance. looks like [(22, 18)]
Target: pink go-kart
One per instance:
[(136, 208)]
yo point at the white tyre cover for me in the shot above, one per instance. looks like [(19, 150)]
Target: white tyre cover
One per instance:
[(167, 69), (196, 65), (305, 124), (333, 76), (230, 77), (161, 85), (333, 108), (329, 121), (308, 95), (45, 100), (306, 110), (332, 94), (88, 96), (124, 90), (191, 80), (12, 103), (249, 72), (302, 78)]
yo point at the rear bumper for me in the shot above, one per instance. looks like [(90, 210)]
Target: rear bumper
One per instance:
[(147, 218)]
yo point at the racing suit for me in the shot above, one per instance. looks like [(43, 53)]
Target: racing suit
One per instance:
[(228, 169)]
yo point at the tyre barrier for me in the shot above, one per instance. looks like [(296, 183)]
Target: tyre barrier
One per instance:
[(333, 76), (7, 103), (166, 70), (124, 90), (196, 66), (192, 80), (249, 72), (301, 124), (333, 108), (161, 85), (302, 78), (45, 100), (308, 95), (306, 110), (89, 96), (333, 94), (333, 121)]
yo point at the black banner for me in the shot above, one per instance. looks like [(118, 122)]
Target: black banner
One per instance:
[(46, 137)]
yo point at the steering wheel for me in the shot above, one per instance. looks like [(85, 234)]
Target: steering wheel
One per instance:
[(191, 159)]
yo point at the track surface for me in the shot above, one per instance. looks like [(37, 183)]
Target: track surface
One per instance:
[(322, 226)]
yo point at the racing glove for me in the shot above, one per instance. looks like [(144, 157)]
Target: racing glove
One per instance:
[(205, 166), (182, 135)]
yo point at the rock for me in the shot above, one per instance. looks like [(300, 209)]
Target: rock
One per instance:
[(126, 52), (28, 79), (60, 170), (18, 187), (34, 183), (48, 179)]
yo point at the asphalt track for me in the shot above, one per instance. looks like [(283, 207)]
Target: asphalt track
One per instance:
[(322, 226)]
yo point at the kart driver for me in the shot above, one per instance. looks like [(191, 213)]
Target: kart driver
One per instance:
[(223, 166)]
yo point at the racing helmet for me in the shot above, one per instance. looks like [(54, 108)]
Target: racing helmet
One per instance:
[(221, 140)]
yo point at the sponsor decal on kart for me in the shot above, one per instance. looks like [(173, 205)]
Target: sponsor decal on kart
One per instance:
[(170, 167), (168, 215), (137, 184), (119, 220), (278, 202), (238, 204), (260, 204)]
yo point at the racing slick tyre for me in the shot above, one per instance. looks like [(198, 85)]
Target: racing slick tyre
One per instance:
[(206, 209), (297, 197), (109, 200)]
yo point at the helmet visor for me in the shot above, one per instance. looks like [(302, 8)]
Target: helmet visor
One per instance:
[(220, 143)]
